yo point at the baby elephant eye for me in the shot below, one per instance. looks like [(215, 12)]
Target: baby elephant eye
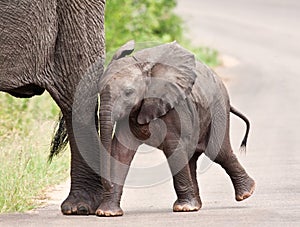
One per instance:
[(128, 92)]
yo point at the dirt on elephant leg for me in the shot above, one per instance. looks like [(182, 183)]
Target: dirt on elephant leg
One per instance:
[(187, 205), (244, 189), (109, 209), (110, 205)]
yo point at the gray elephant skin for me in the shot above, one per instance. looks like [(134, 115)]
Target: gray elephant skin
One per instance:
[(58, 46), (162, 97)]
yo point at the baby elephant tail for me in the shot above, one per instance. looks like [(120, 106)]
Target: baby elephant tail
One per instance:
[(243, 117)]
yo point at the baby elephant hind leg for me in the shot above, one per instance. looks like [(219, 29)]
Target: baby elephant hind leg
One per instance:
[(243, 184)]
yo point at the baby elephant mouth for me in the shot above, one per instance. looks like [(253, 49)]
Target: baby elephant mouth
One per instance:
[(120, 112)]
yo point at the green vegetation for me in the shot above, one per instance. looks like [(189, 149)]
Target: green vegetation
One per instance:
[(205, 54), (141, 20), (146, 21), (26, 125)]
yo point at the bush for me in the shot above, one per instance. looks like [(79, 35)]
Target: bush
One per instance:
[(148, 20), (141, 20)]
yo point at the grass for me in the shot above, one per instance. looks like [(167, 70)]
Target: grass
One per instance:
[(26, 127)]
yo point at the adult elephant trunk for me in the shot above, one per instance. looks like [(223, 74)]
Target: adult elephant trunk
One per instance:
[(106, 130)]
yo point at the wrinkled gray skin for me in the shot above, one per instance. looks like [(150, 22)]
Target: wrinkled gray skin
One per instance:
[(50, 45), (165, 85)]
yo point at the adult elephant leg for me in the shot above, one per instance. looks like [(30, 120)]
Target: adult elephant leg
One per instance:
[(121, 160), (77, 67), (79, 113), (86, 189)]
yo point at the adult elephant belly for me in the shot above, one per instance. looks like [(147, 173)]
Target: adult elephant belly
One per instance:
[(28, 31), (26, 91)]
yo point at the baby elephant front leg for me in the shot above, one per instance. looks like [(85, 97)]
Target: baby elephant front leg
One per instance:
[(122, 157), (187, 198)]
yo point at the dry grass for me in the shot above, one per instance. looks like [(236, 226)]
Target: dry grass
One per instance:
[(25, 133)]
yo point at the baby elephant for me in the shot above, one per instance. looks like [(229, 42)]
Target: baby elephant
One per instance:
[(162, 97)]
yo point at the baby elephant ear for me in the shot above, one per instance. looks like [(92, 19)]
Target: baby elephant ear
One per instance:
[(124, 50), (171, 79)]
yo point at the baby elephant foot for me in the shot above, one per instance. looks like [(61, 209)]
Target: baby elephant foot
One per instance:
[(187, 205), (109, 209), (244, 188)]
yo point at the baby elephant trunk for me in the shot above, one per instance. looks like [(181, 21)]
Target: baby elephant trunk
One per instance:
[(106, 130)]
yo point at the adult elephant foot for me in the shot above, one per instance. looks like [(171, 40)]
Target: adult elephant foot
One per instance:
[(81, 203), (109, 209), (244, 187), (187, 205)]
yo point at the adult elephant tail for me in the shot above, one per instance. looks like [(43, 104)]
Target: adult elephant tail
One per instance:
[(60, 138), (244, 118)]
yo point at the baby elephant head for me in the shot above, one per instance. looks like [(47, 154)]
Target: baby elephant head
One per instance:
[(150, 82)]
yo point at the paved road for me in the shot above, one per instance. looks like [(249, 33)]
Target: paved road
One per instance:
[(263, 38)]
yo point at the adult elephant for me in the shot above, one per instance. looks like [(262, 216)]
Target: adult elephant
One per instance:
[(51, 45)]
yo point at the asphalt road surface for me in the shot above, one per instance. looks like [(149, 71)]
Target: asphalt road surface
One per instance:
[(260, 44)]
